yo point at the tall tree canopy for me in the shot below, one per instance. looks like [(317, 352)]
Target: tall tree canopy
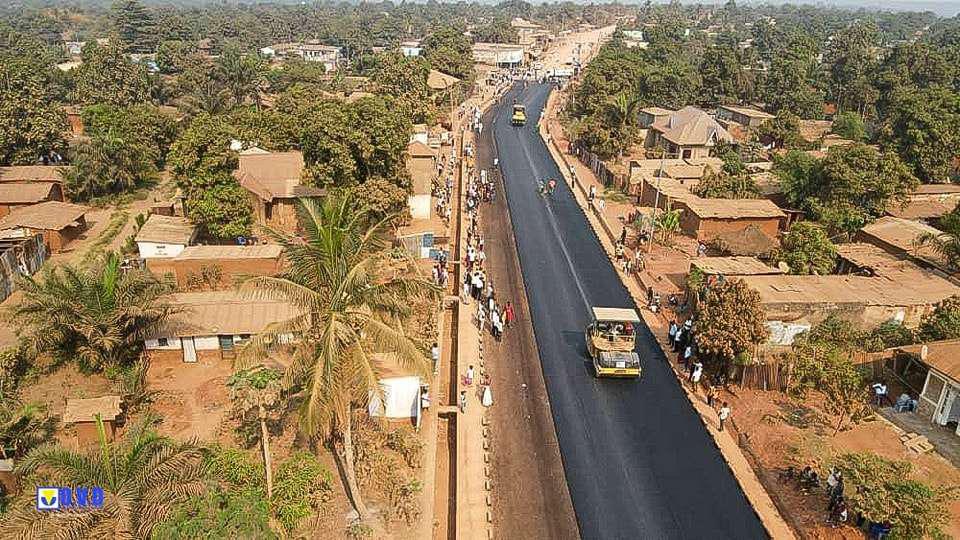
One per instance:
[(32, 120), (108, 76)]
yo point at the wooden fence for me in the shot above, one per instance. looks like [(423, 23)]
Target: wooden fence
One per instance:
[(772, 373)]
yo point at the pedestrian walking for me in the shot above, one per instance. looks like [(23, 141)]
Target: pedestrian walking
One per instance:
[(481, 318), (712, 396), (723, 414), (466, 288), (696, 375), (463, 401), (672, 332), (468, 380), (687, 354), (509, 314), (623, 236), (435, 355), (676, 340)]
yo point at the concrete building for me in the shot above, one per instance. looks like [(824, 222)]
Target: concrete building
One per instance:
[(940, 398), (401, 388), (411, 49), (504, 55), (900, 291), (422, 166), (745, 116), (211, 325), (272, 180), (164, 236), (687, 133), (228, 264), (58, 222)]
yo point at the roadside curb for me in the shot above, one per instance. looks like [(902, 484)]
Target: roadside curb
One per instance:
[(760, 501)]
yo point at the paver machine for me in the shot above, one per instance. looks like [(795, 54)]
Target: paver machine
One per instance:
[(611, 338), (519, 117)]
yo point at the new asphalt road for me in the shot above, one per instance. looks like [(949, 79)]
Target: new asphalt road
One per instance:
[(638, 461)]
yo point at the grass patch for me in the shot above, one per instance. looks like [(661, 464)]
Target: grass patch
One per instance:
[(615, 196), (118, 220)]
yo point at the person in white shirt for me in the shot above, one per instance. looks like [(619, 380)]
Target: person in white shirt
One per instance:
[(723, 414)]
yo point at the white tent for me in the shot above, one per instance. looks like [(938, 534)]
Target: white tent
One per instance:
[(401, 398)]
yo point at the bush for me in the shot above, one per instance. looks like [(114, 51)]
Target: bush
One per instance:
[(408, 445), (234, 466), (301, 487), (881, 490), (241, 514)]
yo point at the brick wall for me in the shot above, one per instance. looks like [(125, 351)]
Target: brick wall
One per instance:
[(230, 269), (708, 229)]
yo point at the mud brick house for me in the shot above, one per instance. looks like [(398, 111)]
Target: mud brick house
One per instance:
[(228, 263), (211, 325), (82, 415), (898, 236), (32, 173), (164, 236), (15, 195), (705, 219), (272, 180), (928, 202), (19, 257), (58, 222)]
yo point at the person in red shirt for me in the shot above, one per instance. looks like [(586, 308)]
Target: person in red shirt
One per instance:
[(508, 314)]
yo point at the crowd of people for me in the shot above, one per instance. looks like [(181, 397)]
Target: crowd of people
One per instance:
[(492, 315)]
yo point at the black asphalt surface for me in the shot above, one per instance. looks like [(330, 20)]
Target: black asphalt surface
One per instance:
[(638, 461)]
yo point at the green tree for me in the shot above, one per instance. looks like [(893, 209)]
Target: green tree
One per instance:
[(241, 513), (32, 121), (351, 309), (222, 210), (923, 127), (783, 131), (806, 249), (730, 321), (382, 197), (175, 56), (98, 316), (622, 112), (108, 164), (849, 125), (847, 189), (242, 74), (405, 79), (143, 476), (725, 77), (883, 491), (134, 25), (942, 323), (260, 390), (144, 125), (449, 50), (852, 62), (723, 185), (498, 31), (107, 76)]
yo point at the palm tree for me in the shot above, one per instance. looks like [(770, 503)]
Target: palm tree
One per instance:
[(623, 113), (21, 427), (669, 223), (107, 164), (259, 389), (144, 477), (243, 75), (99, 315), (350, 308), (945, 245)]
